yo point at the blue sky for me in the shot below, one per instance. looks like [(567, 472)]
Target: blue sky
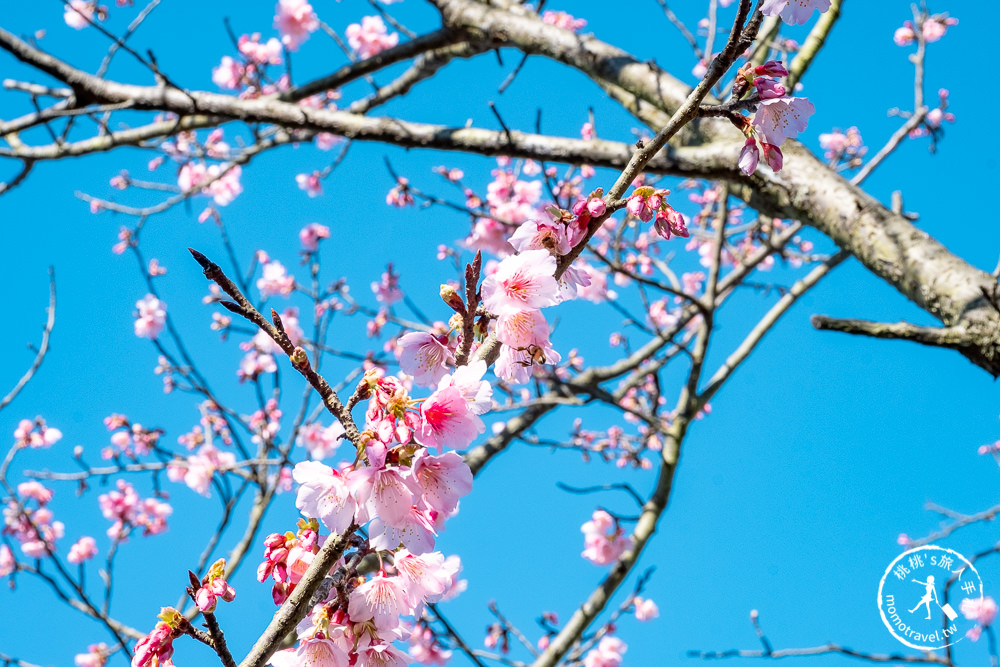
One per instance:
[(789, 497)]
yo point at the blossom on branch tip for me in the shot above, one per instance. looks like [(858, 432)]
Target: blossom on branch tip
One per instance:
[(82, 550), (310, 183), (645, 609), (151, 318), (311, 234)]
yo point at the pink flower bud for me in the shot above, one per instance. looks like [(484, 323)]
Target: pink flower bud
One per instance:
[(768, 89), (596, 207), (749, 157), (771, 68), (773, 156)]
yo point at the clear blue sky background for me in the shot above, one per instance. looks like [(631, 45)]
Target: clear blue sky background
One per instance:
[(788, 499)]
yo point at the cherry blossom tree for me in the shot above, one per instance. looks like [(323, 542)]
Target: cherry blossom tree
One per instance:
[(379, 439)]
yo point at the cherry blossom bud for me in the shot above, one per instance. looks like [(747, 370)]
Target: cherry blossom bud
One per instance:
[(596, 207), (450, 296), (773, 156), (299, 357), (768, 89), (749, 157), (771, 68)]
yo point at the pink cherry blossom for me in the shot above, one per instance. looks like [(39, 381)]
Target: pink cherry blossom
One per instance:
[(563, 20), (311, 651), (198, 469), (425, 576), (442, 479), (447, 421), (782, 118), (310, 235), (295, 20), (387, 290), (78, 12), (225, 183), (749, 156), (607, 654), (904, 35), (424, 357), (424, 647), (7, 562), (310, 183), (541, 235), (323, 494), (771, 68), (381, 599), (383, 492), (228, 74), (935, 27), (151, 318), (320, 441), (793, 12), (521, 282), (982, 611), (155, 648), (35, 434), (82, 550), (214, 587), (370, 37), (263, 53), (604, 540), (645, 609), (415, 532), (96, 656), (274, 280), (469, 381), (381, 655)]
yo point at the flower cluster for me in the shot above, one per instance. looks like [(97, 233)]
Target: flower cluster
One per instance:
[(604, 540), (213, 588), (932, 28), (128, 439), (608, 653), (156, 648), (647, 202), (30, 521), (197, 470), (128, 511), (295, 21), (370, 37), (778, 116), (35, 434), (248, 74)]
